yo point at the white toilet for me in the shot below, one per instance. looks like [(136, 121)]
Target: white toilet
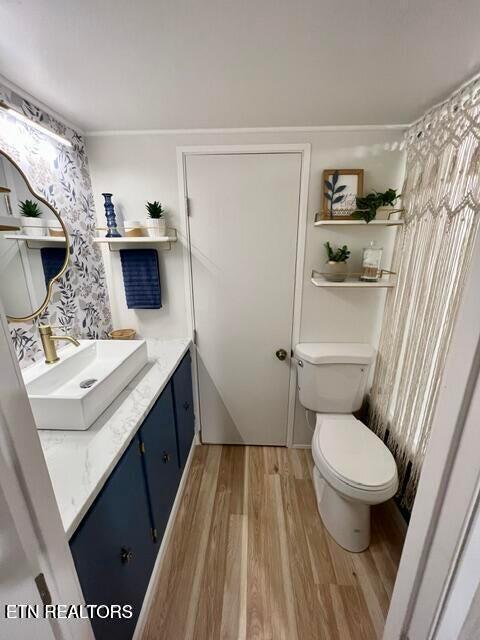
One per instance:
[(353, 467)]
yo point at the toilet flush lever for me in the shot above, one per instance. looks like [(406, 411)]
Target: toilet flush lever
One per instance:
[(281, 354)]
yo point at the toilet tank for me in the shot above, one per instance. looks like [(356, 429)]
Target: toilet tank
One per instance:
[(332, 376)]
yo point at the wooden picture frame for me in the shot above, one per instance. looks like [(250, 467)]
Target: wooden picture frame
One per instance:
[(352, 184)]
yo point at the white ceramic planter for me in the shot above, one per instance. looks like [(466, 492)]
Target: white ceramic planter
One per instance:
[(336, 271), (33, 226), (157, 227), (134, 229)]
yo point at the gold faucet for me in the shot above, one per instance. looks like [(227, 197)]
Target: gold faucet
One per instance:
[(48, 343)]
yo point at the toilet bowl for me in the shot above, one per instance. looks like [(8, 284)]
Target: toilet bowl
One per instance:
[(353, 470), (353, 467)]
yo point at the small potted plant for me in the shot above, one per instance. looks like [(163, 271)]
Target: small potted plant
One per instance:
[(336, 269), (157, 225), (370, 205), (31, 223)]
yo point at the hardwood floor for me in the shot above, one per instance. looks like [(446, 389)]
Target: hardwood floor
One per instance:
[(249, 559)]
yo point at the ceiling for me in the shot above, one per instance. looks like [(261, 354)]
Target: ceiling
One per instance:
[(158, 64)]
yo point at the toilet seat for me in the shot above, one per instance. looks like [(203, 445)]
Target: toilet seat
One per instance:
[(353, 459)]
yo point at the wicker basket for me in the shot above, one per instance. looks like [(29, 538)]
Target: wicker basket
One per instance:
[(122, 334)]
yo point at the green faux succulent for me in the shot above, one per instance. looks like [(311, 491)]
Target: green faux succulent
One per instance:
[(29, 209), (155, 209), (341, 254)]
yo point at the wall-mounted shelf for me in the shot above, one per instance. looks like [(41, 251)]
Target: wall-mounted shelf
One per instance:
[(353, 282), (322, 219), (115, 244), (361, 223), (36, 242)]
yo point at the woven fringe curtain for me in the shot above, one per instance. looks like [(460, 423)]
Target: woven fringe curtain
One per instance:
[(441, 196)]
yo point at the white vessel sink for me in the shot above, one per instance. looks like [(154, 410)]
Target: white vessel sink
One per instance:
[(73, 392)]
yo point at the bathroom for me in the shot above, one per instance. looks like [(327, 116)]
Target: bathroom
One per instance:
[(262, 424)]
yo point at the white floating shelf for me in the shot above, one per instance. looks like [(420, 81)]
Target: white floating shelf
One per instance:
[(353, 282), (393, 218), (345, 223), (36, 242), (129, 242), (137, 240)]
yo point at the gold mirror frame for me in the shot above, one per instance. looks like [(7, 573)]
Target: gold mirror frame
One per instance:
[(48, 295)]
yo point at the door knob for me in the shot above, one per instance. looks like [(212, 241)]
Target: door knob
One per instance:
[(281, 354)]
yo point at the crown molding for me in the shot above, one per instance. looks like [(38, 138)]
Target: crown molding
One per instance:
[(306, 129)]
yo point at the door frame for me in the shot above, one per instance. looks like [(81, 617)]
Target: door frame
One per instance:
[(305, 152), (29, 493)]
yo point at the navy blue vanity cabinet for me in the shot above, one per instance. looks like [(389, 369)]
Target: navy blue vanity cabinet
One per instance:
[(183, 398), (112, 548), (159, 443)]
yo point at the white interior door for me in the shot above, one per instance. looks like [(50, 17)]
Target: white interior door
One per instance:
[(244, 210)]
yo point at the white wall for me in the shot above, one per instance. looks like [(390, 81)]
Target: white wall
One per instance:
[(136, 168)]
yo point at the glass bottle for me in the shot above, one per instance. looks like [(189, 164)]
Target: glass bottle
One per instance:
[(372, 257)]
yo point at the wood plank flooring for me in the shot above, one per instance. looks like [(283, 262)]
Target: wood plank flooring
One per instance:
[(249, 559)]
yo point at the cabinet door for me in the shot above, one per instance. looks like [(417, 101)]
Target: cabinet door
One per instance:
[(112, 548), (183, 396), (161, 459)]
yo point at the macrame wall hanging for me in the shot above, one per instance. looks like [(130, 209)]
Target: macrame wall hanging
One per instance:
[(441, 197)]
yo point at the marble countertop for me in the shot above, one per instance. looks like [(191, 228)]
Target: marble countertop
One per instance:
[(80, 462)]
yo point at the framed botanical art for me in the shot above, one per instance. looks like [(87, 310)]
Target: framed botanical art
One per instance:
[(341, 187)]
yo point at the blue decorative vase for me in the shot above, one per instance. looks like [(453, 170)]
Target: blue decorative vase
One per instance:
[(111, 218)]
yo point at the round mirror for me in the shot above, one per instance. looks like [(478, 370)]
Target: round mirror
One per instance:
[(34, 245)]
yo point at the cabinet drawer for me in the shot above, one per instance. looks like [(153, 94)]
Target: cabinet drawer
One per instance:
[(112, 548), (183, 397), (158, 436)]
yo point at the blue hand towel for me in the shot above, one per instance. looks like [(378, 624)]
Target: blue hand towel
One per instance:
[(141, 278), (52, 261)]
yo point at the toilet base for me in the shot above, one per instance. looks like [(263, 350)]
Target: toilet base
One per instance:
[(348, 522)]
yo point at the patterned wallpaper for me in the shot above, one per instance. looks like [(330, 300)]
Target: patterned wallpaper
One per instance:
[(60, 174)]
